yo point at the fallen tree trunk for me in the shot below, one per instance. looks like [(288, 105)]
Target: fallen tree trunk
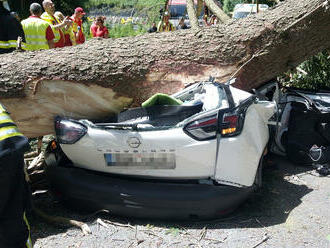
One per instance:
[(102, 77)]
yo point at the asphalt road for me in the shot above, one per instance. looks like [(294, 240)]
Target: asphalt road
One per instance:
[(291, 210)]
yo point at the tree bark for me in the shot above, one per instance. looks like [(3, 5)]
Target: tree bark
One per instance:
[(103, 76), (200, 6), (192, 14)]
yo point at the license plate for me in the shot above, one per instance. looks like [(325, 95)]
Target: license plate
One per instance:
[(147, 160)]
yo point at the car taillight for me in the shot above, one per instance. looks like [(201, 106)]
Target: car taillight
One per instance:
[(69, 132), (232, 124), (202, 129)]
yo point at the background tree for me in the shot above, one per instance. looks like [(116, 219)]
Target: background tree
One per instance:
[(65, 6), (312, 74)]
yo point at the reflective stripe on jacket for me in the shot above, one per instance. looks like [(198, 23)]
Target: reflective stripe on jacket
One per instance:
[(29, 241), (11, 140), (35, 34), (8, 128), (10, 30), (53, 21), (8, 44)]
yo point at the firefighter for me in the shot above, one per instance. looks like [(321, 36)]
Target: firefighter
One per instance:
[(14, 194), (10, 29)]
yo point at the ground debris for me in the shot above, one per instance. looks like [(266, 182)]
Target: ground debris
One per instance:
[(119, 224), (101, 222), (265, 238), (58, 220)]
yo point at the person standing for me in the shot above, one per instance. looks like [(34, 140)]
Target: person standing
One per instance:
[(165, 25), (67, 30), (77, 25), (14, 14), (10, 29), (98, 29), (182, 24), (14, 193), (39, 35), (56, 25), (153, 28)]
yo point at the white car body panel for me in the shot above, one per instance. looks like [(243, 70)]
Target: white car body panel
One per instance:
[(194, 159), (239, 95), (239, 156), (228, 160)]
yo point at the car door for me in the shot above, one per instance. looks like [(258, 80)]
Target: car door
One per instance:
[(243, 138)]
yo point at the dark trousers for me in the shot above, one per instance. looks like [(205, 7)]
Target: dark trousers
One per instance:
[(13, 201)]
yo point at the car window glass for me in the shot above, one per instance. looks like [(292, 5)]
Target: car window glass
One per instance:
[(214, 97), (239, 95), (238, 15)]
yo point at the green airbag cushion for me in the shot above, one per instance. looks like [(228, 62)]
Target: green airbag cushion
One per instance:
[(161, 99)]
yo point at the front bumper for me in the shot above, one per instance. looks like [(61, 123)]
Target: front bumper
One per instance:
[(143, 198)]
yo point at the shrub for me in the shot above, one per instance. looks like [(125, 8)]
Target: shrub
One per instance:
[(318, 73)]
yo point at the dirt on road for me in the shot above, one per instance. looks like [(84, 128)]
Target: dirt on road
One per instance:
[(292, 209)]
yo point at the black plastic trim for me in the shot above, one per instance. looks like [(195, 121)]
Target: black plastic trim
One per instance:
[(135, 198), (138, 197)]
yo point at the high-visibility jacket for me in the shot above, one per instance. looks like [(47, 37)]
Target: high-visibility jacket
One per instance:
[(8, 131), (70, 39), (12, 145), (10, 30), (52, 20), (35, 33), (77, 27), (163, 27)]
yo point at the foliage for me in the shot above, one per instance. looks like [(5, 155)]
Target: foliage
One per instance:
[(86, 28), (117, 30), (65, 6), (318, 73), (137, 4), (122, 30), (228, 5)]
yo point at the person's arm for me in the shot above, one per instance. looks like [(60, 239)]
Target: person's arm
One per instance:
[(160, 26), (92, 30), (66, 22), (106, 33), (72, 37), (51, 44), (76, 34), (50, 37)]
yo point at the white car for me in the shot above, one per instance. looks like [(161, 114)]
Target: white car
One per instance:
[(200, 159), (243, 10)]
